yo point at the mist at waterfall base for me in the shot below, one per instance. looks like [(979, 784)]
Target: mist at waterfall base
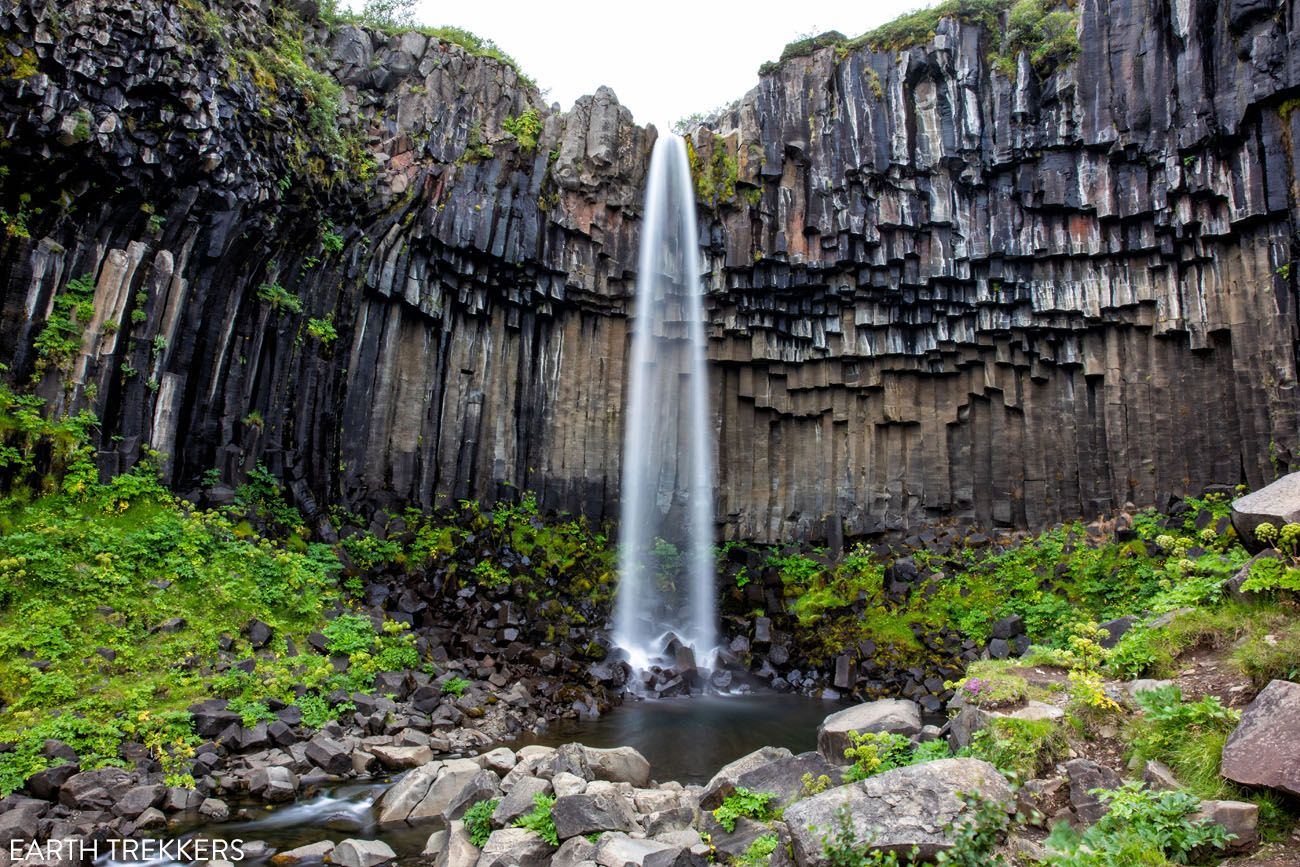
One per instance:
[(667, 485)]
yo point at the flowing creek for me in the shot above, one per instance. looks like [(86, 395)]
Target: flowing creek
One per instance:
[(686, 740)]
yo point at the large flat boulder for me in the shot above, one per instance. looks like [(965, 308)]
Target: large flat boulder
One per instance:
[(587, 813), (894, 715), (1264, 749), (435, 790), (515, 847), (895, 810), (769, 769), (1277, 504)]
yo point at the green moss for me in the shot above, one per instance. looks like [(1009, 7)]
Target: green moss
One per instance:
[(20, 67), (715, 178)]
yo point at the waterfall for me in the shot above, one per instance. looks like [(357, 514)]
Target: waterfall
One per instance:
[(667, 487)]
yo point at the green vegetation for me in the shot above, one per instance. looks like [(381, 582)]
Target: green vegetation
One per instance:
[(715, 179), (1141, 826), (743, 802), (759, 853), (989, 684), (1048, 34), (1020, 748), (60, 340), (976, 833), (525, 128), (478, 821), (455, 686), (279, 298), (539, 820), (323, 330), (874, 753)]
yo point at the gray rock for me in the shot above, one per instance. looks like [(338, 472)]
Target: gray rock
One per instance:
[(93, 790), (1264, 749), (515, 847), (401, 758), (452, 847), (329, 755), (574, 851), (1084, 776), (585, 813), (618, 765), (139, 799), (620, 850), (769, 769), (1116, 628), (896, 810), (428, 791), (45, 784), (566, 783), (21, 820), (897, 716), (274, 785), (1277, 503), (214, 809), (361, 853), (519, 800), (482, 786), (501, 760), (1233, 585), (1158, 775)]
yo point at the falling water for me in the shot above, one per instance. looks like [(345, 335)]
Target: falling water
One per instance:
[(667, 489)]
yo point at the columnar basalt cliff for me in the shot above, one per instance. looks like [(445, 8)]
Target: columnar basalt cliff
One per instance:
[(936, 291)]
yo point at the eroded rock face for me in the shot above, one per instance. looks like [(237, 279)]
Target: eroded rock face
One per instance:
[(895, 810), (937, 291), (1264, 749)]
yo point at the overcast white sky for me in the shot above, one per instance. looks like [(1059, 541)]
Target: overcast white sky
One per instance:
[(664, 60)]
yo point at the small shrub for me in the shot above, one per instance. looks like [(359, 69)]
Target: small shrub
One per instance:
[(279, 298), (540, 820), (759, 853), (1141, 826), (976, 832), (323, 330), (743, 802), (478, 821), (455, 686), (349, 634), (526, 128), (1018, 747)]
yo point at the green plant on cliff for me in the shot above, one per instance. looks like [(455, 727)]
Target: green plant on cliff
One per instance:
[(715, 178), (323, 330), (540, 820), (60, 340), (279, 298), (478, 821), (525, 128), (743, 802), (1049, 37)]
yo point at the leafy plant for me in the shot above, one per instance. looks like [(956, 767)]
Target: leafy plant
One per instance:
[(455, 686), (349, 634), (540, 820), (323, 329), (976, 833), (526, 128), (1141, 826), (279, 298), (1019, 748), (478, 821), (743, 802)]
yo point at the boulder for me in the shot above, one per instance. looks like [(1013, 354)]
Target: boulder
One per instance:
[(1115, 629), (93, 790), (451, 847), (1239, 819), (275, 785), (483, 786), (429, 790), (139, 799), (566, 783), (769, 769), (582, 814), (214, 809), (1277, 504), (618, 765), (401, 758), (574, 851), (45, 784), (515, 847), (896, 810), (21, 820), (361, 853), (620, 850), (502, 760), (519, 800), (897, 716), (1264, 749), (1085, 775), (329, 755)]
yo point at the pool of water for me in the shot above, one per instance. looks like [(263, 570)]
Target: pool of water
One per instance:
[(684, 739), (689, 739)]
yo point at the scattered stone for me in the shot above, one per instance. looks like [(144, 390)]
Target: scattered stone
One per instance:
[(1116, 628), (1239, 819), (214, 809), (519, 800), (1157, 775), (1084, 776), (309, 854), (401, 758), (329, 755), (275, 785), (139, 799), (93, 790)]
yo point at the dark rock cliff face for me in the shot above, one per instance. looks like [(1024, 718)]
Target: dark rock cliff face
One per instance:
[(936, 292)]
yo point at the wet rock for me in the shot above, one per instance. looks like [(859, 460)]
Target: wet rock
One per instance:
[(896, 810), (1264, 749), (897, 716), (275, 785), (361, 853), (310, 854)]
